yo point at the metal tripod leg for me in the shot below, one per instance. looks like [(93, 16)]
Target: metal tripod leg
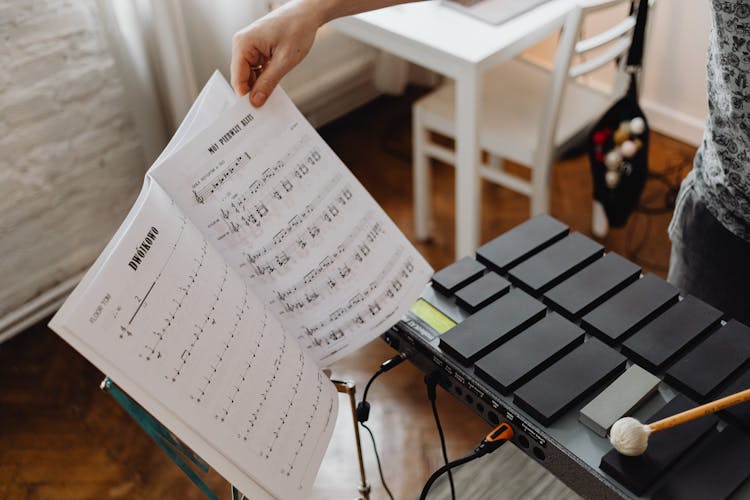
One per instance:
[(346, 387)]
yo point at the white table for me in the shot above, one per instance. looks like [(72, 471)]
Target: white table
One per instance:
[(458, 46)]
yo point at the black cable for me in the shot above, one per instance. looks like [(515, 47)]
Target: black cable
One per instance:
[(447, 467), (494, 440), (431, 383), (384, 367), (377, 458), (369, 383), (442, 446), (363, 411), (671, 178)]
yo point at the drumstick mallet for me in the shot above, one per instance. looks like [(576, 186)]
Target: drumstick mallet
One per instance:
[(630, 437)]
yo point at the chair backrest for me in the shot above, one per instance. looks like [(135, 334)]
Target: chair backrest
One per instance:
[(616, 39), (609, 45)]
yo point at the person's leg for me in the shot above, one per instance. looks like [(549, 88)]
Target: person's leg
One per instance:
[(708, 261)]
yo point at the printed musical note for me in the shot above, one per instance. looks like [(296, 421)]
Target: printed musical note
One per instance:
[(244, 375), (209, 319), (220, 178), (228, 342), (307, 426), (246, 210), (348, 254), (289, 406), (257, 412), (177, 302)]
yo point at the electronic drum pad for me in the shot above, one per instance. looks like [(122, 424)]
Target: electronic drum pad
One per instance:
[(546, 331)]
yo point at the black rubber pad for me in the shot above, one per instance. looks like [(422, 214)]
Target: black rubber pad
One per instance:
[(717, 469), (712, 362), (481, 292), (457, 275), (481, 332), (738, 414), (670, 335), (524, 356), (521, 242), (664, 448), (556, 262), (592, 285), (569, 380), (630, 309)]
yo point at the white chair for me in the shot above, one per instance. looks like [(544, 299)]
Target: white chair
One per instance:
[(528, 112)]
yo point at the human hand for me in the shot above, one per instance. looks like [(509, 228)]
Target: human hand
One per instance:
[(276, 43)]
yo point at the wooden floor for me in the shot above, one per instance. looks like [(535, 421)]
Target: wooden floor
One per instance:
[(63, 438)]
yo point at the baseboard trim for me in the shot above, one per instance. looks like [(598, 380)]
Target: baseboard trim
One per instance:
[(36, 309), (328, 108), (673, 123)]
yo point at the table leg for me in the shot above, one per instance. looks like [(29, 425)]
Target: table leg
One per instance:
[(468, 92), (421, 175)]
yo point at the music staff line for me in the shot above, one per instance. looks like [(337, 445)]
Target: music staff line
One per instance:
[(349, 268), (296, 222), (209, 317), (249, 364), (238, 214), (306, 237), (218, 180), (125, 330), (239, 316), (202, 194), (310, 331), (295, 391), (151, 350), (329, 415), (143, 301), (373, 307), (255, 415), (308, 424)]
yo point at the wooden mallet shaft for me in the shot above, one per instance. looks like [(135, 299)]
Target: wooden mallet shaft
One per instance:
[(700, 411)]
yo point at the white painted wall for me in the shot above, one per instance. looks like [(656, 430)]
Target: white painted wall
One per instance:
[(674, 80), (674, 85), (210, 25), (71, 162), (336, 76)]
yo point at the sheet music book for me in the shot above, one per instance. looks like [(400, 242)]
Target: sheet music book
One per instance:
[(251, 259)]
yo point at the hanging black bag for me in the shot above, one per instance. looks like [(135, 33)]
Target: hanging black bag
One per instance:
[(618, 143)]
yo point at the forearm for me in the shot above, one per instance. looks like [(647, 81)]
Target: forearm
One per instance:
[(277, 42), (332, 9)]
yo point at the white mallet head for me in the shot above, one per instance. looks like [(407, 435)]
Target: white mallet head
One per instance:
[(629, 436)]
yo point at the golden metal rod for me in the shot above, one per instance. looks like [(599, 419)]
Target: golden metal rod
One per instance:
[(346, 387)]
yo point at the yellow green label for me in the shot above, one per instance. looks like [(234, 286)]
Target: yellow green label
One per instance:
[(432, 316)]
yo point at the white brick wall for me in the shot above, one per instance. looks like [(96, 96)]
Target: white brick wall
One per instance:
[(70, 161)]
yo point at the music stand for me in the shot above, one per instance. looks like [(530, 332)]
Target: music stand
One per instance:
[(193, 465)]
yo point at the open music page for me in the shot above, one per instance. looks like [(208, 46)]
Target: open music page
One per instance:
[(296, 225), (178, 329), (251, 256)]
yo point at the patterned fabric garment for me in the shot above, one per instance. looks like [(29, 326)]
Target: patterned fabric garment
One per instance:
[(721, 169)]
